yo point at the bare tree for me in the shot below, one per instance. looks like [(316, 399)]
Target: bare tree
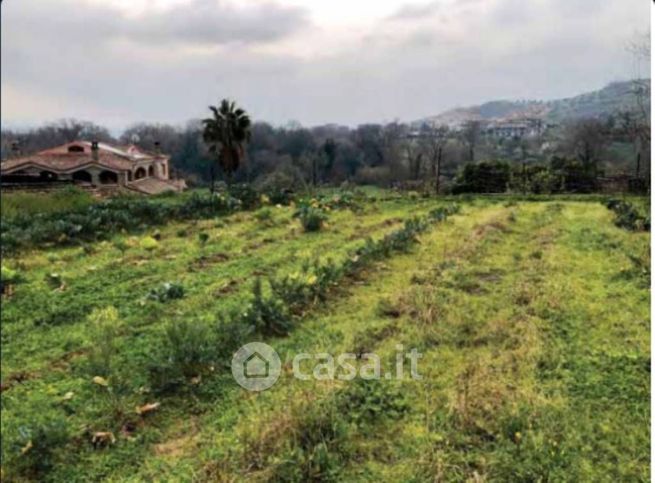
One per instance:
[(434, 139), (587, 140), (636, 121), (413, 152), (471, 137)]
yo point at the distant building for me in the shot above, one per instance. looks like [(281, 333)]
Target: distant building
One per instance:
[(91, 165), (515, 128)]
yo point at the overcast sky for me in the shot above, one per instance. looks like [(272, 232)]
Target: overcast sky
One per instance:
[(116, 62)]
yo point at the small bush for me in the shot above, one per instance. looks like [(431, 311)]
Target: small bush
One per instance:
[(148, 243), (628, 216), (33, 448), (311, 218), (267, 315), (8, 277), (203, 238), (246, 194), (187, 351), (166, 291), (189, 347), (369, 401)]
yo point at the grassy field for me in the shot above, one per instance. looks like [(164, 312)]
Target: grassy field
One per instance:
[(17, 203), (532, 318)]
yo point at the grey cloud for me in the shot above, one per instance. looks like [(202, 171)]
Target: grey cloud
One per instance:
[(212, 22), (92, 64), (413, 11), (201, 22)]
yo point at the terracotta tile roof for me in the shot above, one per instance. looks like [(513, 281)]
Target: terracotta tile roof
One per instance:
[(60, 159)]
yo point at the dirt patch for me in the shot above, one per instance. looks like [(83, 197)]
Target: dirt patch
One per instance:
[(16, 378), (207, 260), (228, 288)]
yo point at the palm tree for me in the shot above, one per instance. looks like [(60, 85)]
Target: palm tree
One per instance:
[(225, 133)]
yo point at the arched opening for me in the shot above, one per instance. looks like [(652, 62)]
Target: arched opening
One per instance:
[(82, 176), (108, 177), (48, 176), (151, 170), (20, 176), (139, 173), (75, 148), (129, 175)]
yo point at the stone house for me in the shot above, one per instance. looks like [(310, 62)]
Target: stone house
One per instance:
[(91, 165)]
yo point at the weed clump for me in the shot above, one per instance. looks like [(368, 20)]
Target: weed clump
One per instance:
[(8, 278), (148, 243), (267, 315), (104, 330), (628, 216), (312, 218), (166, 292), (33, 449)]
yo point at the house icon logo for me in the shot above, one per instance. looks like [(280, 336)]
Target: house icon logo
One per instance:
[(256, 366)]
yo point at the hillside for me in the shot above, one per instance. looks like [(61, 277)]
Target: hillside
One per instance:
[(599, 103)]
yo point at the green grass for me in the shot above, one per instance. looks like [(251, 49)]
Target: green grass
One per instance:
[(532, 318), (15, 204)]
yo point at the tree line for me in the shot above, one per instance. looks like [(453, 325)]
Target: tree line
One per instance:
[(229, 146)]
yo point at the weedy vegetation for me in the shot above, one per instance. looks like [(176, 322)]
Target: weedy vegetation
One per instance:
[(531, 313)]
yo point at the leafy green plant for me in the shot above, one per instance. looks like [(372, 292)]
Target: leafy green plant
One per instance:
[(628, 216), (166, 291), (203, 238), (54, 280), (148, 243), (187, 351), (268, 315), (369, 401), (311, 218), (8, 277), (34, 446)]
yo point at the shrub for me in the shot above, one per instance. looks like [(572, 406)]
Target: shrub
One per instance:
[(189, 347), (8, 277), (149, 243), (368, 401), (203, 238), (246, 194), (33, 448), (187, 351), (166, 291), (309, 285), (483, 177), (311, 218), (54, 280), (628, 216), (267, 315)]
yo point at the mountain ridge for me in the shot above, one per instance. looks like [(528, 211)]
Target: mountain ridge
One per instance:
[(614, 97)]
